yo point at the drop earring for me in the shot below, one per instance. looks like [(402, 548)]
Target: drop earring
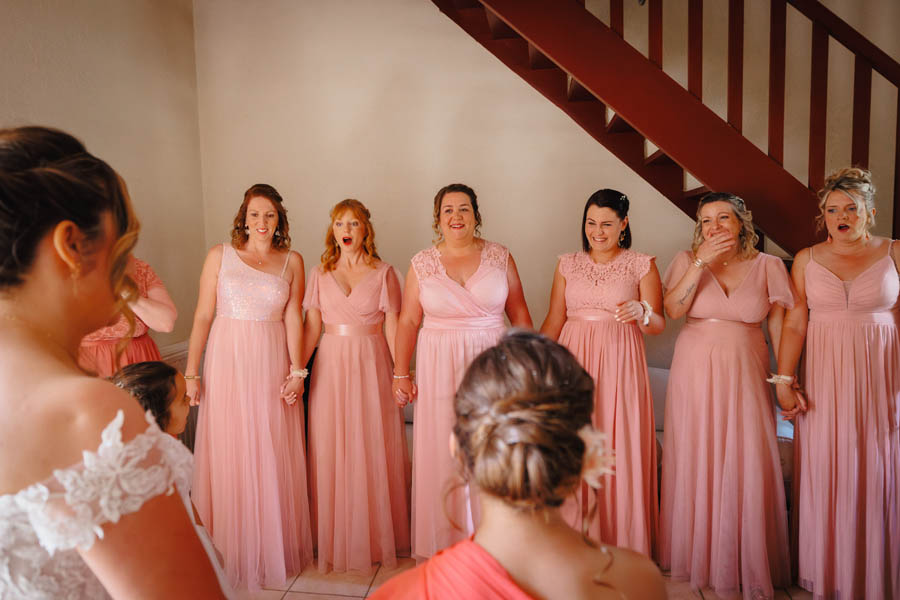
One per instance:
[(621, 237)]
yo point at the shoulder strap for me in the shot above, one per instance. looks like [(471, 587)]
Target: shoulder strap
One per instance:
[(287, 259)]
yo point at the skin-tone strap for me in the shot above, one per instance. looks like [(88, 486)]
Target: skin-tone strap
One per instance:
[(286, 260)]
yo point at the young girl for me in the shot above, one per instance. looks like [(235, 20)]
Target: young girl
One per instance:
[(161, 389)]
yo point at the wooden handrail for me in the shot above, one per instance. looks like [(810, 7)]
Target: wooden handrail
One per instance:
[(850, 38)]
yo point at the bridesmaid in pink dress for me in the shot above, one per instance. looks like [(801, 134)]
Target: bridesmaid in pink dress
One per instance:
[(603, 300), (723, 521), (153, 309), (250, 468), (847, 439), (358, 460), (461, 286)]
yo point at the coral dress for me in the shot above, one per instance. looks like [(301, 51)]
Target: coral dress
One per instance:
[(847, 446), (97, 352), (723, 521), (250, 468), (613, 353), (460, 322), (358, 460)]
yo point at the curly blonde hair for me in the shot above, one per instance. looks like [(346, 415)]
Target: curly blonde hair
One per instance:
[(857, 184), (747, 238), (280, 240), (333, 251)]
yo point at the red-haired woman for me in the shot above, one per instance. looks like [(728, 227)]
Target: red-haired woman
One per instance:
[(358, 462), (250, 472)]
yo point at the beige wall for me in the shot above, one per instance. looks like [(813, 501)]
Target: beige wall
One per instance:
[(386, 102), (120, 76)]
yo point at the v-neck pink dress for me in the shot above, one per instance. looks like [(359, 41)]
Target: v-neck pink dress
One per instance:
[(613, 353), (459, 323), (250, 467), (847, 445), (723, 521), (358, 459)]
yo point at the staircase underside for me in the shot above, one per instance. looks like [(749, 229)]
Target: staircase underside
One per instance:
[(583, 67)]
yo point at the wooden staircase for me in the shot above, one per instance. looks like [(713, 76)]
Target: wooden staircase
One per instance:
[(624, 99)]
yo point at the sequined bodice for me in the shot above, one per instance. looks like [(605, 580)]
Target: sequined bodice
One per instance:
[(247, 294), (592, 287)]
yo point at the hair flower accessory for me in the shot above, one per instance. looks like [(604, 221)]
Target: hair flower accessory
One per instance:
[(599, 459)]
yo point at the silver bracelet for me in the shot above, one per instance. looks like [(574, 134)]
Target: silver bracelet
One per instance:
[(785, 379), (698, 262), (401, 376), (648, 312)]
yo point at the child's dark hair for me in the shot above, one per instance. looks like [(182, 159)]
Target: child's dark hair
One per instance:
[(152, 383)]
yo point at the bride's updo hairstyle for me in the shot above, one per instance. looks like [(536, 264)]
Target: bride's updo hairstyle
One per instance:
[(47, 176), (518, 411)]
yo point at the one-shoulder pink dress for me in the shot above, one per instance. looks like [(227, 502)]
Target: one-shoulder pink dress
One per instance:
[(459, 323), (613, 353), (358, 458), (847, 445), (250, 466), (723, 519)]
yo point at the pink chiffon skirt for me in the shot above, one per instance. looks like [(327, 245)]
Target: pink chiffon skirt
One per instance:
[(625, 510), (100, 357), (443, 511), (358, 458), (250, 469), (723, 521)]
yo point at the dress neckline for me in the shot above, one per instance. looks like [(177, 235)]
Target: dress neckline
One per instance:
[(347, 294), (729, 296), (278, 277), (850, 282), (443, 269)]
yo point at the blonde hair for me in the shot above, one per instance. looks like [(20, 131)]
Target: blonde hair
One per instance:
[(333, 251), (518, 411), (747, 238), (857, 184)]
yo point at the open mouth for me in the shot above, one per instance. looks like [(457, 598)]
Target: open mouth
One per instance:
[(459, 226), (843, 227), (347, 240), (262, 231)]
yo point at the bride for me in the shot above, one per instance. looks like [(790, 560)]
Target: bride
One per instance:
[(86, 480)]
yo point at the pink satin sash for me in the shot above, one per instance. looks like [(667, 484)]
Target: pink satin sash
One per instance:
[(697, 321), (345, 329)]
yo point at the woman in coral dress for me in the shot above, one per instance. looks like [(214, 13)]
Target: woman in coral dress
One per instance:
[(847, 442), (250, 472), (358, 460), (603, 300), (153, 309), (461, 287), (723, 521)]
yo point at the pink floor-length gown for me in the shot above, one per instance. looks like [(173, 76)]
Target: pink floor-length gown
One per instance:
[(358, 459), (613, 353), (250, 470), (723, 521), (98, 351), (847, 446), (459, 323)]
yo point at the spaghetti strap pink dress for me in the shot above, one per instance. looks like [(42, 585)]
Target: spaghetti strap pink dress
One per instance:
[(358, 459), (723, 521), (613, 353), (459, 323), (250, 468), (847, 445)]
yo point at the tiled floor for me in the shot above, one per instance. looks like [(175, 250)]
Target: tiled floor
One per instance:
[(312, 585)]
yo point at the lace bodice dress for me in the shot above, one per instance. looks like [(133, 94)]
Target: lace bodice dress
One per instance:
[(43, 525)]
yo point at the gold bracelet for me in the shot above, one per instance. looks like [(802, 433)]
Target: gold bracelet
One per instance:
[(698, 262), (189, 377)]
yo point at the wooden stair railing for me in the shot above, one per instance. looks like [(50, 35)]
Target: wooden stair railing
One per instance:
[(555, 45)]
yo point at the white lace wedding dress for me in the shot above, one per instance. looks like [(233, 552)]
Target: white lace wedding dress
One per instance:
[(42, 525)]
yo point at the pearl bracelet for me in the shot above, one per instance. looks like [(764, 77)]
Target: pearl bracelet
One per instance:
[(401, 376), (648, 312), (776, 379), (299, 373)]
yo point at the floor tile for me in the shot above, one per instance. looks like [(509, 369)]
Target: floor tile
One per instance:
[(341, 584), (383, 575), (283, 586), (798, 593), (681, 590), (259, 595)]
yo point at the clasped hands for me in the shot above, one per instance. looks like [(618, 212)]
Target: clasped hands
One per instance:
[(404, 390), (791, 399)]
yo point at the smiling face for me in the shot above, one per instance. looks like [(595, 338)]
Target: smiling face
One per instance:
[(602, 227), (457, 217), (719, 217), (262, 219), (349, 232), (845, 216)]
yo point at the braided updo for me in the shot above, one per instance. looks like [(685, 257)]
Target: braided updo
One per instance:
[(518, 411)]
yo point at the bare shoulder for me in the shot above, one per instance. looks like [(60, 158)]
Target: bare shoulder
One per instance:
[(632, 574)]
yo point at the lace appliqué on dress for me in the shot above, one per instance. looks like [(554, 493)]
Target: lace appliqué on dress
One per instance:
[(495, 255), (427, 263), (627, 265), (41, 526)]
